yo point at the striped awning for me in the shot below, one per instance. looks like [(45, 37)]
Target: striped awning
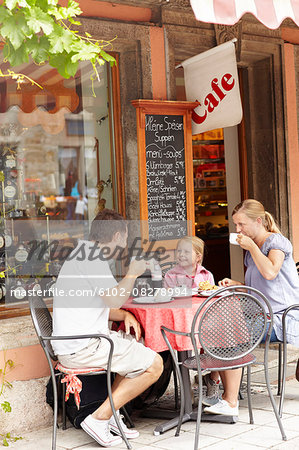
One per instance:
[(227, 12)]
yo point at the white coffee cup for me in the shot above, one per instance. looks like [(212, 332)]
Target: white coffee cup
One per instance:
[(233, 238)]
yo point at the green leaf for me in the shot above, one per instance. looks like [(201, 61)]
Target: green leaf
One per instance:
[(61, 40), (10, 4), (10, 31), (6, 407), (39, 48), (5, 443), (71, 67), (37, 19), (16, 57), (59, 62), (33, 2), (8, 384), (57, 13), (4, 13), (73, 8), (85, 53), (74, 22), (24, 4), (43, 4), (107, 57), (22, 24), (88, 34)]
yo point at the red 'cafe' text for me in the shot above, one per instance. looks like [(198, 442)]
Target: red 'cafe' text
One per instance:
[(213, 99)]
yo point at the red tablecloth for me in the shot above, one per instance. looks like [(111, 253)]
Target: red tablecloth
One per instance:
[(177, 315)]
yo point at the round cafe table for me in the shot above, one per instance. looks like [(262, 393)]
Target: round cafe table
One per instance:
[(177, 315)]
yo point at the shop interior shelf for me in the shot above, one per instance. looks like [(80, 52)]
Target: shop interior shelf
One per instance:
[(211, 141), (198, 161), (222, 188)]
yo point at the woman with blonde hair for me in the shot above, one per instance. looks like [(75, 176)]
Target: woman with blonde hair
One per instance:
[(270, 268)]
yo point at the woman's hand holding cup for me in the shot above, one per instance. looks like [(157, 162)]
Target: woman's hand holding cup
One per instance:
[(233, 238), (226, 282)]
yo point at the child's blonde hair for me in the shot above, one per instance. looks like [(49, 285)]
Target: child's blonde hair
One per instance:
[(198, 245)]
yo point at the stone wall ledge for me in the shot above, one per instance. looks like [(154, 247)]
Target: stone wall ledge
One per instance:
[(17, 332)]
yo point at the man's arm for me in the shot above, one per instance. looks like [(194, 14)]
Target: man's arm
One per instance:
[(129, 320), (121, 292)]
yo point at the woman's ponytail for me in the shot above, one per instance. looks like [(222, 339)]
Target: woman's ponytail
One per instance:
[(270, 223)]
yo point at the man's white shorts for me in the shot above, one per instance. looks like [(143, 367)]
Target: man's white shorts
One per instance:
[(130, 358)]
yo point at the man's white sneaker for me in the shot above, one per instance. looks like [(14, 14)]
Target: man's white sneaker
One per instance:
[(130, 433), (99, 431), (222, 407)]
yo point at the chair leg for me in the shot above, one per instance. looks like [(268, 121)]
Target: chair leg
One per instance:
[(279, 369), (199, 411), (113, 408), (127, 417), (249, 394), (240, 395), (181, 385), (273, 401), (63, 406), (176, 388), (284, 372), (54, 433)]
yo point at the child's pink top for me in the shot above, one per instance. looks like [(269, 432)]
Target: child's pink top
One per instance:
[(178, 277)]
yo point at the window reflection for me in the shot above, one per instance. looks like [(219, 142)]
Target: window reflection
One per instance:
[(57, 165), (55, 144)]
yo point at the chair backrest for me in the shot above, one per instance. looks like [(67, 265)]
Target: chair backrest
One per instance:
[(165, 267), (231, 325), (42, 322)]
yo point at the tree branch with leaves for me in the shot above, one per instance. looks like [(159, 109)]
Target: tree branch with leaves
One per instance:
[(42, 30)]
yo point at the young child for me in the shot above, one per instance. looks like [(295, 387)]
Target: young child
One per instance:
[(189, 272)]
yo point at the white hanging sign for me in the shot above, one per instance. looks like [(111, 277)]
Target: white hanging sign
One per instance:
[(211, 78)]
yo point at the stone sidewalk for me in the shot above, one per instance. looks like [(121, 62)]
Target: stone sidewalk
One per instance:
[(263, 434)]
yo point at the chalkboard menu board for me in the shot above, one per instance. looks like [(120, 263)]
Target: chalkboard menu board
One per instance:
[(165, 171), (165, 176)]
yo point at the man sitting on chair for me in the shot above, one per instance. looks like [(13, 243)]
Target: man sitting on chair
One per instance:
[(85, 294)]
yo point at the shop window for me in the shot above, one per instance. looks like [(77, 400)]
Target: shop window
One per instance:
[(59, 165)]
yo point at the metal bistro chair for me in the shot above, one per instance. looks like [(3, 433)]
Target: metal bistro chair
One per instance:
[(42, 322), (282, 360), (165, 267), (282, 355), (228, 327)]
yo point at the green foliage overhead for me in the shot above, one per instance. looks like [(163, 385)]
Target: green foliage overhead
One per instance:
[(41, 29)]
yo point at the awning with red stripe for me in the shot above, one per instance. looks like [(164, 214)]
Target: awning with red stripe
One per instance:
[(270, 12)]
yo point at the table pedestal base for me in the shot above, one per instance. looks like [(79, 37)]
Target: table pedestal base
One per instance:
[(174, 418), (190, 413)]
